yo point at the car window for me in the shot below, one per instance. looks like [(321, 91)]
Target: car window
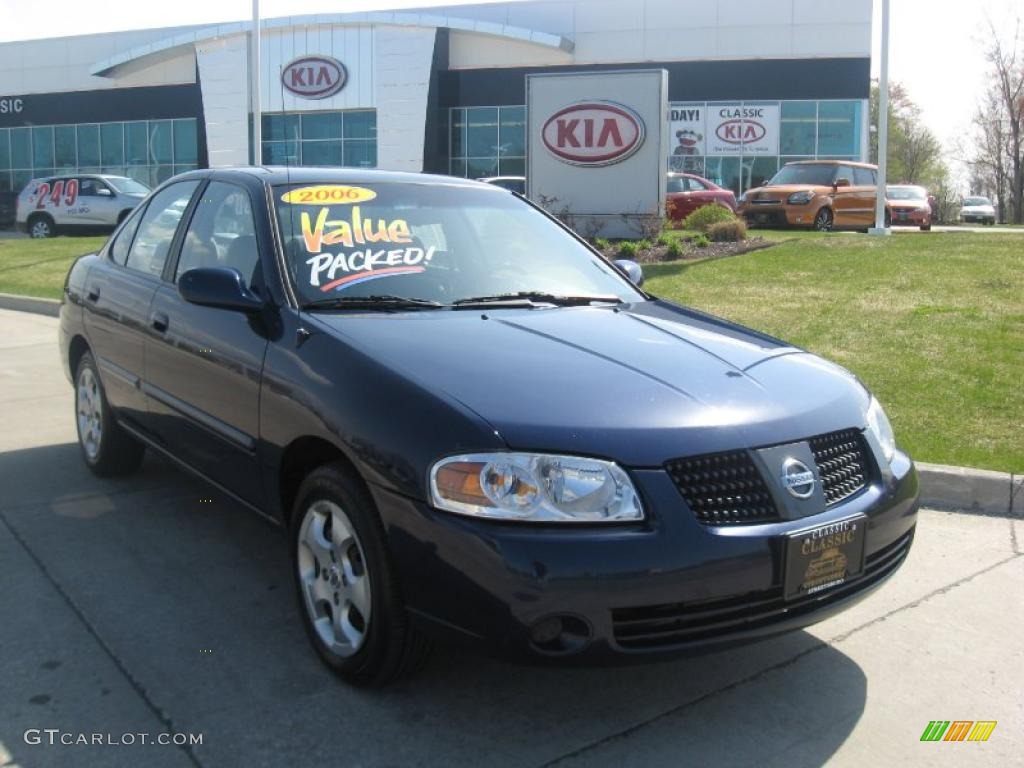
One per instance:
[(675, 184), (123, 239), (156, 229), (696, 186), (845, 172), (222, 233), (863, 177), (88, 187)]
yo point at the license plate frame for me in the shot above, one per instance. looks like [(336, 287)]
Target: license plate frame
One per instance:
[(823, 557)]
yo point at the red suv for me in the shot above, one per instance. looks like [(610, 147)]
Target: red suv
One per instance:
[(685, 193)]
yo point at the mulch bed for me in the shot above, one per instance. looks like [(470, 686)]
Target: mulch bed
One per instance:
[(659, 253)]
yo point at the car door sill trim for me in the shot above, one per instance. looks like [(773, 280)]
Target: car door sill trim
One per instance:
[(138, 434)]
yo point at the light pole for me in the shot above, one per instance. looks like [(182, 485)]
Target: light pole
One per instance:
[(883, 127), (254, 81)]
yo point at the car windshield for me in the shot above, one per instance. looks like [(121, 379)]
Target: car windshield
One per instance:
[(126, 186), (906, 193), (816, 175), (441, 243), (977, 201)]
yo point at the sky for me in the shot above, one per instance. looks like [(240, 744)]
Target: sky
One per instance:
[(937, 46)]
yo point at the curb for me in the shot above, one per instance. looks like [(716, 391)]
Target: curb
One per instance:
[(971, 490), (49, 307)]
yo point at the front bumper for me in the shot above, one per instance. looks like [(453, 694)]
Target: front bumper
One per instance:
[(778, 214), (666, 586)]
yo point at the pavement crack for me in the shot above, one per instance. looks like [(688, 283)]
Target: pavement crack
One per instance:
[(626, 732), (136, 685)]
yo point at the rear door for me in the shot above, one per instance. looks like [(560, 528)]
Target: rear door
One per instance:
[(865, 184), (119, 291), (203, 365)]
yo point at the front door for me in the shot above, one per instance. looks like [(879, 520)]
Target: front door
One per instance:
[(846, 202), (96, 201), (203, 365)]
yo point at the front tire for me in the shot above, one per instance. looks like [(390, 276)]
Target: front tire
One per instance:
[(107, 449), (346, 586), (823, 219)]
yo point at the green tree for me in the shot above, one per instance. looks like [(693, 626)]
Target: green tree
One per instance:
[(915, 154)]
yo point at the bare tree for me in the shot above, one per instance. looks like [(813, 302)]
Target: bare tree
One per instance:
[(990, 161), (1003, 113)]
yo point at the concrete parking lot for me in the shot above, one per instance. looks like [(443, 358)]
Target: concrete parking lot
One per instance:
[(136, 606)]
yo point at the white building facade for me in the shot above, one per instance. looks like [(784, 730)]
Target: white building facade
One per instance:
[(752, 85)]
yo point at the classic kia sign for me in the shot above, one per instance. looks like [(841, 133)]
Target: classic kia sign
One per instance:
[(314, 77), (593, 133)]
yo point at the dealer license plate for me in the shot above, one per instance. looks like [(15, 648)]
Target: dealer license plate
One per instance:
[(822, 558)]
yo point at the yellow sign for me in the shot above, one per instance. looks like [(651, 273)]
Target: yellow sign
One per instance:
[(328, 194)]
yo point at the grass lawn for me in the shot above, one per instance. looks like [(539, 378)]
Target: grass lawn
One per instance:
[(933, 324), (38, 267)]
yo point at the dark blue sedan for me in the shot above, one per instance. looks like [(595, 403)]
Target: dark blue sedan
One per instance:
[(473, 426)]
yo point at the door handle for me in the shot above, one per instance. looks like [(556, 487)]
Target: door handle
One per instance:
[(94, 294), (159, 321)]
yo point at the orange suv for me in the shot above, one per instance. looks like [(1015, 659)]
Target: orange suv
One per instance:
[(817, 194)]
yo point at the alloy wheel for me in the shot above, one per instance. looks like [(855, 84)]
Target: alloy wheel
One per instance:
[(823, 220), (90, 413), (334, 580), (40, 228)]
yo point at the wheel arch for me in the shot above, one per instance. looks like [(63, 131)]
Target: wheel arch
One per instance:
[(78, 347), (299, 458)]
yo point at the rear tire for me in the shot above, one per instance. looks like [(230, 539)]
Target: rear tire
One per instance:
[(346, 586), (107, 449), (41, 225)]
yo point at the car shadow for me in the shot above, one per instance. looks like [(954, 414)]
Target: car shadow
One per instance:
[(162, 569)]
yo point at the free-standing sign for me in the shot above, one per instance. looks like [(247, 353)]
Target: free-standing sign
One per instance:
[(314, 77), (597, 148)]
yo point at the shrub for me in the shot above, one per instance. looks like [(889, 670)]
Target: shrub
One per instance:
[(601, 244), (664, 239), (628, 249), (700, 241), (643, 245), (675, 250), (727, 231), (704, 217)]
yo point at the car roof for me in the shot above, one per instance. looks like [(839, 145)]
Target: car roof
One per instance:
[(854, 163), (269, 174)]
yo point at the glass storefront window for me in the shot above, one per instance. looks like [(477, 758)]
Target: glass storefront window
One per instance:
[(65, 147), (799, 128), (838, 127), (336, 139), (136, 144), (757, 170), (88, 146), (487, 141), (186, 137), (42, 147), (5, 150), (161, 142), (112, 144)]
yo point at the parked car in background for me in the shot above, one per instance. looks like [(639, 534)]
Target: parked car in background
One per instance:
[(815, 194), (686, 192), (907, 205), (8, 202), (977, 210), (54, 204), (515, 184)]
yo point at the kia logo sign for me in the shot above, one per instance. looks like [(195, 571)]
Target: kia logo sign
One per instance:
[(740, 131), (314, 77), (593, 133)]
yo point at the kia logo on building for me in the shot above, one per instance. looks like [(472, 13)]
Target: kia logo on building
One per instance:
[(593, 133), (314, 77), (740, 131)]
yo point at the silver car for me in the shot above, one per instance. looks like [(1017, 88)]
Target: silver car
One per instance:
[(64, 202)]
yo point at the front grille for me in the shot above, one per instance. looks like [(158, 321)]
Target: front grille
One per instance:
[(842, 459), (723, 488), (663, 626), (764, 201)]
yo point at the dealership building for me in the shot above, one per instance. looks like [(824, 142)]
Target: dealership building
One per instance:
[(752, 84)]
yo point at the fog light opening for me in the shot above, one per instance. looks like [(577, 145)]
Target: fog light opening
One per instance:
[(560, 635)]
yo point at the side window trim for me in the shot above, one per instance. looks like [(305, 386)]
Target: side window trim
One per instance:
[(135, 216), (171, 264), (174, 239)]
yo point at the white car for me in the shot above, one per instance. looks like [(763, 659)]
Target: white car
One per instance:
[(76, 201), (978, 209)]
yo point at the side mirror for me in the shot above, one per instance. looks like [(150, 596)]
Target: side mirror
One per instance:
[(633, 271), (842, 181), (104, 192), (220, 287)]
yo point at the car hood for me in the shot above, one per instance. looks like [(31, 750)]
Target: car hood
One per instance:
[(784, 190), (639, 384)]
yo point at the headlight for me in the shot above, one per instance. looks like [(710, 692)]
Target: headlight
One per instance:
[(535, 488), (800, 198), (880, 427)]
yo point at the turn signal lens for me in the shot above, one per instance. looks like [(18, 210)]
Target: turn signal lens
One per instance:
[(534, 487), (879, 425)]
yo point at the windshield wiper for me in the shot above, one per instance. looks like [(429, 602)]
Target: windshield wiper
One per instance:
[(531, 298), (377, 301)]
